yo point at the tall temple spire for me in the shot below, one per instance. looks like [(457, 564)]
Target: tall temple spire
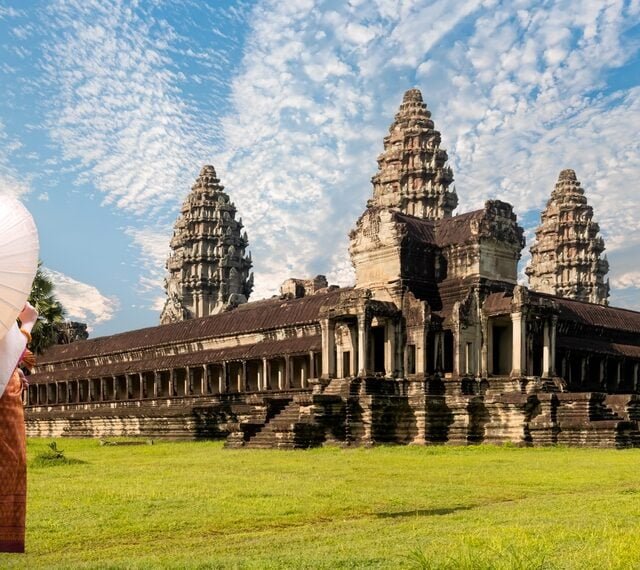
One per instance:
[(566, 258), (208, 268), (413, 175)]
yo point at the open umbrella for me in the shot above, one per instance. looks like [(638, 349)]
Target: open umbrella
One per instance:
[(18, 259)]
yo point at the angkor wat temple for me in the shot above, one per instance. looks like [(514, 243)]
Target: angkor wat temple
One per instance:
[(435, 343)]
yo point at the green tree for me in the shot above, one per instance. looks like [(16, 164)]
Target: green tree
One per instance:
[(50, 312)]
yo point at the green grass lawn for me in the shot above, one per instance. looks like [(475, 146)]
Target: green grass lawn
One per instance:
[(196, 505)]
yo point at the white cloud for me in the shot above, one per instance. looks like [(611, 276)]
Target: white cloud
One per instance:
[(151, 247), (11, 180), (627, 280), (82, 302)]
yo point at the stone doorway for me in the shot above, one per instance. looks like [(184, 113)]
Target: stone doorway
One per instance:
[(377, 346)]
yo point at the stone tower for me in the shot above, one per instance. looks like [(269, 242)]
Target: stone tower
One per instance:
[(413, 175), (208, 268), (566, 258)]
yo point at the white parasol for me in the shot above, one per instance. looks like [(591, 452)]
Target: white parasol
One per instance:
[(18, 259)]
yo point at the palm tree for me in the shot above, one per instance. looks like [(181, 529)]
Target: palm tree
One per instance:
[(50, 312)]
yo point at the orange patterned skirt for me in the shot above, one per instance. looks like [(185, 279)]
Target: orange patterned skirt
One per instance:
[(13, 468)]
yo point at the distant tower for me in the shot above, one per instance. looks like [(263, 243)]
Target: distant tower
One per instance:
[(566, 257), (208, 269), (413, 175)]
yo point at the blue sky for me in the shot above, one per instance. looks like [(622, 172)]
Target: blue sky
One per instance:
[(109, 109)]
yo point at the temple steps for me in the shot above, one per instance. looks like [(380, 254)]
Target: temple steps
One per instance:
[(290, 426)]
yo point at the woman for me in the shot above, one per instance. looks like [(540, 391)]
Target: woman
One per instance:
[(13, 465), (18, 265)]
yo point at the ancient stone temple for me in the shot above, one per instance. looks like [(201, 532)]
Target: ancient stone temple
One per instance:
[(208, 268), (413, 175), (566, 258), (434, 343)]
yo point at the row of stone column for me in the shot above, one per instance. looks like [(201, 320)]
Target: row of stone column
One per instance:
[(360, 361), (601, 366), (197, 381)]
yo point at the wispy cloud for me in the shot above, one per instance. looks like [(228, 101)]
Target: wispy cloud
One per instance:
[(151, 246), (11, 181), (117, 109), (83, 302)]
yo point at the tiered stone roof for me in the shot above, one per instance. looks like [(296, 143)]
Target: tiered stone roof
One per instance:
[(566, 258), (413, 175), (208, 269)]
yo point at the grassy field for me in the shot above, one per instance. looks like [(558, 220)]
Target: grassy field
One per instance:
[(196, 505)]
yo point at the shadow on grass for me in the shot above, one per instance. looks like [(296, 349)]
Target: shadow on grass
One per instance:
[(46, 461), (423, 512)]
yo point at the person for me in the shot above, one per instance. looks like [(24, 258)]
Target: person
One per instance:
[(13, 463)]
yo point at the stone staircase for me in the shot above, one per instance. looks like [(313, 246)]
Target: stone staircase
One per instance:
[(252, 419), (586, 419), (290, 424)]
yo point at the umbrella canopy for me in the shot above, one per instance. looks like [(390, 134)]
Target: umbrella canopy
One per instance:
[(18, 259)]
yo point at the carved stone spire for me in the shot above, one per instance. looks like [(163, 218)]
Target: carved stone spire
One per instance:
[(208, 268), (566, 257), (413, 175)]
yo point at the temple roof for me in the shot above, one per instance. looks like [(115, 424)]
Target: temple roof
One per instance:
[(267, 348), (256, 316), (455, 230), (591, 314)]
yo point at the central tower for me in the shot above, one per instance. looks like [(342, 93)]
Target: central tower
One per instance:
[(208, 268), (413, 175)]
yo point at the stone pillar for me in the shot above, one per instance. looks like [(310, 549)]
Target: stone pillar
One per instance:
[(339, 360), (312, 365), (281, 373), (222, 378), (172, 382), (399, 352), (603, 362), (115, 388), (353, 351), (518, 344), (484, 346), (287, 372), (328, 348), (188, 381), (458, 350), (240, 380), (265, 374), (363, 345), (424, 356), (101, 397), (390, 349), (204, 383), (127, 387), (546, 351), (618, 374), (635, 377), (156, 383), (553, 329)]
